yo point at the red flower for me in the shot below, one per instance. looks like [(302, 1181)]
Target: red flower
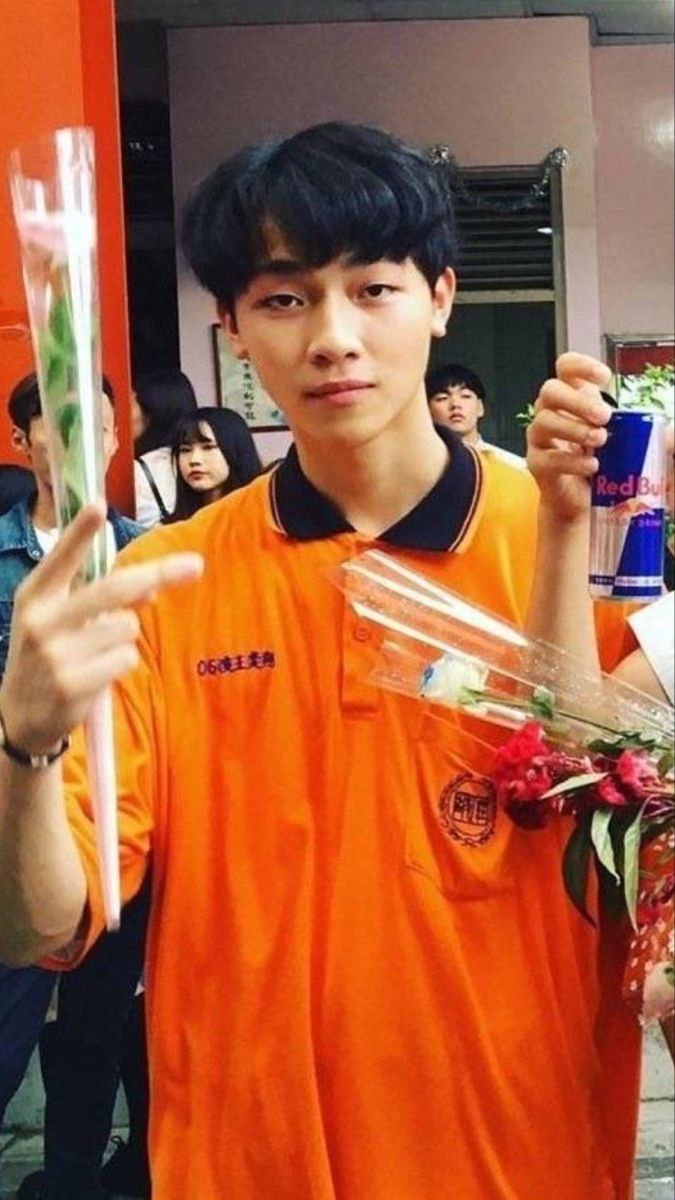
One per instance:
[(636, 772), (609, 793), (528, 743)]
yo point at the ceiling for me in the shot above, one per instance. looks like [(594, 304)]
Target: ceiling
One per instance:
[(613, 21)]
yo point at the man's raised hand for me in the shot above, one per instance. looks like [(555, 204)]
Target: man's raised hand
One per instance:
[(66, 645)]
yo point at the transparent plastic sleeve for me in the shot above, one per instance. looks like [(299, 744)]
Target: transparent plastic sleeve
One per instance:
[(53, 193)]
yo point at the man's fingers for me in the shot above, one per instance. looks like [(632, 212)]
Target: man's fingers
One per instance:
[(578, 369), (126, 587), (90, 678), (553, 425), (553, 463), (58, 569), (107, 630), (587, 405)]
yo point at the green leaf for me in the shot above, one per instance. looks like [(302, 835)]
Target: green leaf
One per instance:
[(602, 840), (613, 747), (576, 864), (69, 422), (575, 783), (56, 377), (543, 703), (631, 867), (61, 326)]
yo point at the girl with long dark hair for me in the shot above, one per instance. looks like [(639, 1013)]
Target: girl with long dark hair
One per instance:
[(213, 454)]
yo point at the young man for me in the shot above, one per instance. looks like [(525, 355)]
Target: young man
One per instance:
[(456, 398), (345, 1001), (80, 1053)]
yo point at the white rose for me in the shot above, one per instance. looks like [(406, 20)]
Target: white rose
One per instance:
[(448, 680)]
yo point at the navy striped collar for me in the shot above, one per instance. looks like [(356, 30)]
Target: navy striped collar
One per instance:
[(439, 521)]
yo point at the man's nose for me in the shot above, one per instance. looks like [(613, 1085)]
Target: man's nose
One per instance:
[(335, 335)]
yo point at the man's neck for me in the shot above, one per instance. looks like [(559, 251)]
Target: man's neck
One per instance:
[(472, 439), (43, 514), (376, 484)]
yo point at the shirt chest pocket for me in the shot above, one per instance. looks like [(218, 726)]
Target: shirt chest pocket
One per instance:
[(455, 834), (6, 610)]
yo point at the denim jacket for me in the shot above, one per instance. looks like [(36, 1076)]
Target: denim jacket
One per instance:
[(20, 551)]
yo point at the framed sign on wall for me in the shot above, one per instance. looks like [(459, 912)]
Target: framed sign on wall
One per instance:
[(238, 387), (629, 354)]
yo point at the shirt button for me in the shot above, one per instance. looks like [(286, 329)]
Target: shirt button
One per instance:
[(362, 633)]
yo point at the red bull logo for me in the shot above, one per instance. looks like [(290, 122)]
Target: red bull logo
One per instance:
[(633, 485)]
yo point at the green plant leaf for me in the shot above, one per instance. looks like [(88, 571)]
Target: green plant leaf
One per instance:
[(602, 840), (543, 703), (574, 784), (575, 866), (69, 422), (526, 417), (56, 377), (613, 747), (631, 867), (61, 326)]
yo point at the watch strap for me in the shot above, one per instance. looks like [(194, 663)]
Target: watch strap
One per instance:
[(34, 762)]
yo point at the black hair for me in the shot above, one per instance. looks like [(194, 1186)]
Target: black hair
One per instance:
[(453, 375), (235, 441), (165, 396), (330, 190), (24, 403)]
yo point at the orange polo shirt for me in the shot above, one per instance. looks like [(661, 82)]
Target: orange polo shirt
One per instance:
[(364, 982)]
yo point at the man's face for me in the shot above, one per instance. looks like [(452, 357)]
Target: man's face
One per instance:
[(34, 446), (342, 349), (458, 408), (109, 431)]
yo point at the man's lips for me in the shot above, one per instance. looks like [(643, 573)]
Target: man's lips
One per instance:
[(338, 387)]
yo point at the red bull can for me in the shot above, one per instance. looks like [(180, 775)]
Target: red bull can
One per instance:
[(628, 509)]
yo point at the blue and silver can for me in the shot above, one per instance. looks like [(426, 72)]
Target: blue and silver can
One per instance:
[(628, 509)]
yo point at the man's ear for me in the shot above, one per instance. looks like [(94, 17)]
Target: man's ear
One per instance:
[(20, 441), (230, 328), (443, 296)]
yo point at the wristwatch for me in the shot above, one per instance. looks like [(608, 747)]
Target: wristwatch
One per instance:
[(34, 762)]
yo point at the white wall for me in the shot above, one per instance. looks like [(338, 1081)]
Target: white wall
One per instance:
[(499, 92), (633, 100)]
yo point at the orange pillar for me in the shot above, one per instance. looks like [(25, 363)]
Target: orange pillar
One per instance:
[(58, 67)]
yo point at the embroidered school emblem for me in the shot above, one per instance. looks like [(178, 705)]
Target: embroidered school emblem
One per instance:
[(468, 809)]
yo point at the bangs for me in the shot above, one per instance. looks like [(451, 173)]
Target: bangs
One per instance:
[(330, 191), (324, 213), (190, 433)]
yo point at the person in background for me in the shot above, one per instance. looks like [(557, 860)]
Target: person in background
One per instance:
[(16, 483), (345, 997), (80, 1051), (456, 397), (213, 454), (159, 400)]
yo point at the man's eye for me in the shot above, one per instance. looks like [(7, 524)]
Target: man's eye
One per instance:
[(375, 291), (281, 301)]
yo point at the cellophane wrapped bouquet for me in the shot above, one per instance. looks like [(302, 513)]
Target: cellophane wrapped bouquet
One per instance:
[(54, 200), (591, 748)]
